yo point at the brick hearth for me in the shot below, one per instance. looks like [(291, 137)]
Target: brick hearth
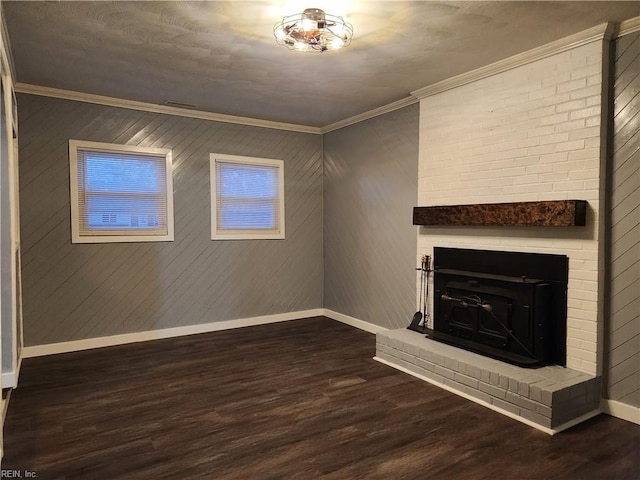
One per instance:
[(551, 398)]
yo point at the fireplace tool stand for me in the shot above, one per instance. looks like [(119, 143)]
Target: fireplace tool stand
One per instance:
[(420, 322)]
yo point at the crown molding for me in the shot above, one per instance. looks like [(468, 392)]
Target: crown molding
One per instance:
[(370, 114), (154, 108), (605, 31), (597, 33), (631, 25)]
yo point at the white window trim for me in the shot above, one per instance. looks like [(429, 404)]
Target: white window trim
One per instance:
[(255, 234), (74, 145)]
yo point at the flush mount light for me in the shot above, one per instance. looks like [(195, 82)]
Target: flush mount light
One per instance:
[(313, 31)]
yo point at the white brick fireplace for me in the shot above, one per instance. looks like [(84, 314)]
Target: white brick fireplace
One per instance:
[(531, 132), (529, 128)]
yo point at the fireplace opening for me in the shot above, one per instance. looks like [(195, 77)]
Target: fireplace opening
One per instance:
[(507, 305)]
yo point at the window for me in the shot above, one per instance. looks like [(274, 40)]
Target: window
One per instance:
[(120, 193), (247, 198)]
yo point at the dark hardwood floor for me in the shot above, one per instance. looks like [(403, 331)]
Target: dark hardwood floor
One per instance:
[(292, 400)]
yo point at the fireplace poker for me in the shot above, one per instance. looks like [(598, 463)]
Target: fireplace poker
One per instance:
[(477, 302), (417, 317), (427, 269)]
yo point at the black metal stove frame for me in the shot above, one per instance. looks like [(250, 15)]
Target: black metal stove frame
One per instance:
[(506, 305)]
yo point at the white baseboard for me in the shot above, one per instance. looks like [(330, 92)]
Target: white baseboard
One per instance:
[(89, 343), (10, 379), (621, 410), (354, 322)]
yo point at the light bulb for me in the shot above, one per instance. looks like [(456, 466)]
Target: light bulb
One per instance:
[(280, 34), (337, 43)]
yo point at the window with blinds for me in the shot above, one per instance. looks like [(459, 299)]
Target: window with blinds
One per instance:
[(247, 198), (120, 193)]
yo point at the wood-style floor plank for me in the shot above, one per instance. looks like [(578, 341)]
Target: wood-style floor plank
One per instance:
[(292, 400)]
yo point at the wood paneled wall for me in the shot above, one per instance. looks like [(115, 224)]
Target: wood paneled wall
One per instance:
[(623, 340), (370, 189), (79, 291)]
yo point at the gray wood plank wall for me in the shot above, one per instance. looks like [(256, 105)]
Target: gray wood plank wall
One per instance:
[(370, 189), (623, 340), (79, 291)]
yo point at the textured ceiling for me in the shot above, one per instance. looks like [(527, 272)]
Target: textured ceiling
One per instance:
[(222, 57)]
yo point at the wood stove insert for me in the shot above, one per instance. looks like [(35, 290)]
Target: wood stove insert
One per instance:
[(506, 305)]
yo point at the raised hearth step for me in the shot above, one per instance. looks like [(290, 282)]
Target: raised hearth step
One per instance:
[(552, 397)]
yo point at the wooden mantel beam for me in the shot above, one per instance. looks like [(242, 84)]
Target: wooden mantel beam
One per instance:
[(552, 213)]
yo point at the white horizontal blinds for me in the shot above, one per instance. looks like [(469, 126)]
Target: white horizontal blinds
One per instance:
[(121, 193), (247, 198)]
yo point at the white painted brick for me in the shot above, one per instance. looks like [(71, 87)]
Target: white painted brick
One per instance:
[(554, 138), (513, 126), (581, 354), (582, 365), (542, 150), (572, 105), (501, 155), (586, 325), (595, 57), (574, 342), (579, 334), (585, 265), (592, 121), (554, 177), (583, 294), (593, 91), (527, 179), (570, 146), (531, 188), (570, 166), (541, 93), (541, 168), (541, 131), (593, 142), (557, 99), (591, 101), (555, 118), (569, 126), (588, 173), (554, 80), (587, 71), (585, 112), (527, 134), (558, 158), (592, 184), (594, 80), (586, 154), (582, 275), (572, 85), (569, 186)]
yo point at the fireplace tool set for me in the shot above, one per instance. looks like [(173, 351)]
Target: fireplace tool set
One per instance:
[(420, 320), (507, 305)]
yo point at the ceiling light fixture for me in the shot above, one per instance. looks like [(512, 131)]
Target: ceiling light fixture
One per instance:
[(313, 31)]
